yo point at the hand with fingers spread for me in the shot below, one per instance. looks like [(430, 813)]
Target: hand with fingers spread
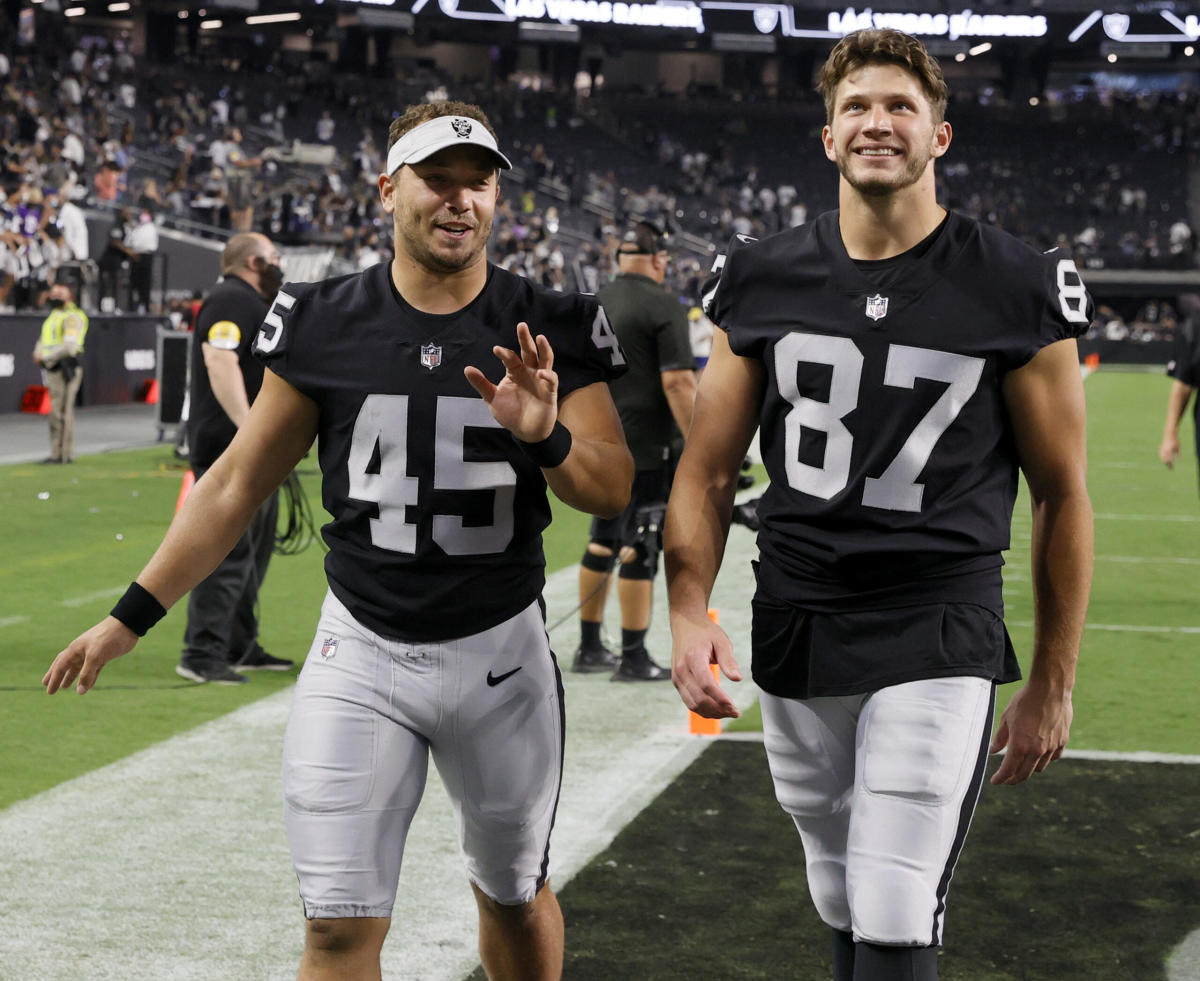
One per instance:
[(526, 400), (698, 644), (1033, 731), (87, 654)]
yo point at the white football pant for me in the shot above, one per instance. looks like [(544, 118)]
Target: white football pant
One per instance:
[(882, 787)]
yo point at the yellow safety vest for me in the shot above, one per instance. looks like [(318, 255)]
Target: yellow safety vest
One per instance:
[(53, 332)]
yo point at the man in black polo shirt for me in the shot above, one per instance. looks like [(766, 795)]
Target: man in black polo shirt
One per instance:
[(222, 629), (654, 399)]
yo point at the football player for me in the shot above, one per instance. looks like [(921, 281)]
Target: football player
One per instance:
[(903, 363), (441, 418)]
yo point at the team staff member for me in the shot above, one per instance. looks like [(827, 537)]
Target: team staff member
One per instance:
[(222, 627), (654, 399), (441, 419), (1184, 370), (902, 362), (59, 350)]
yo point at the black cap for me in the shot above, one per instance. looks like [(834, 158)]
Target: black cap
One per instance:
[(644, 238)]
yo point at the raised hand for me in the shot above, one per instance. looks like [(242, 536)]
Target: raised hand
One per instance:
[(526, 400)]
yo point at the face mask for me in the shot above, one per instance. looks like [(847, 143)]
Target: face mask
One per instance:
[(57, 304), (270, 278)]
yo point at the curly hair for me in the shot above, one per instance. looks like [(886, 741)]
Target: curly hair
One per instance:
[(884, 47)]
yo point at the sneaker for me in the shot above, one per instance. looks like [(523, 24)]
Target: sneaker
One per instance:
[(637, 666), (218, 674), (260, 660), (590, 660), (746, 514)]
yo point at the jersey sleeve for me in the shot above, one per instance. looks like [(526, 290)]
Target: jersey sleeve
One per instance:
[(721, 290), (1067, 307), (222, 322), (586, 349), (279, 343)]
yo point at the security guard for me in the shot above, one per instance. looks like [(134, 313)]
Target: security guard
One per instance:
[(222, 628), (59, 351), (654, 399)]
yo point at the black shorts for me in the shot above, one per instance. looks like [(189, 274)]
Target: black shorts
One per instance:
[(650, 488)]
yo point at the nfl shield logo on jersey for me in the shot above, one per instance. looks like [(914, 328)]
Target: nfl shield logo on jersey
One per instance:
[(329, 647), (431, 356), (877, 307)]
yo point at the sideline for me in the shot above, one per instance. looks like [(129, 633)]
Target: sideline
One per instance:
[(171, 865)]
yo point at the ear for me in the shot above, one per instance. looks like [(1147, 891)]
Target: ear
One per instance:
[(827, 142), (387, 194), (942, 135)]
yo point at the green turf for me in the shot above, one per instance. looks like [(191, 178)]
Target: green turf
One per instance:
[(1087, 873), (66, 547), (1132, 693)]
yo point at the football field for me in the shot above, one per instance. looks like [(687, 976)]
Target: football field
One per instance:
[(141, 836)]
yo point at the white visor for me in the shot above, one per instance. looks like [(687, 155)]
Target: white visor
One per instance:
[(425, 140)]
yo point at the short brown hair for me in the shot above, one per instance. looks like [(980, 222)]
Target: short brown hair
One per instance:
[(414, 116), (884, 47)]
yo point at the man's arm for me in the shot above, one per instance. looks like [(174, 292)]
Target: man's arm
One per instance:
[(275, 437), (228, 385), (726, 414), (1177, 403), (680, 390), (597, 472), (1046, 404), (67, 348)]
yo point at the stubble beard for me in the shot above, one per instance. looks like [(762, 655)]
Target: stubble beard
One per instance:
[(418, 248), (873, 187)]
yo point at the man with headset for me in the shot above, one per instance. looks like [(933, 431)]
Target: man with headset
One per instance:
[(654, 399), (222, 627)]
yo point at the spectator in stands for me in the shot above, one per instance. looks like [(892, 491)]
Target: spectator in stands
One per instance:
[(59, 351), (143, 243), (117, 255), (71, 220), (240, 172), (107, 181)]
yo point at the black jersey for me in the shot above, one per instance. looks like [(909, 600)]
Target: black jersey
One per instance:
[(437, 512), (228, 319), (891, 456), (653, 330), (1184, 365)]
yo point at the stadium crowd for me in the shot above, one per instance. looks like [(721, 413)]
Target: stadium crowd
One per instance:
[(295, 154)]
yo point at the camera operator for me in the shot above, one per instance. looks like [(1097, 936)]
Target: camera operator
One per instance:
[(654, 399)]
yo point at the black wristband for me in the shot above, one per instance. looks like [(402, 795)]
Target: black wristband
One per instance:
[(551, 451), (138, 609)]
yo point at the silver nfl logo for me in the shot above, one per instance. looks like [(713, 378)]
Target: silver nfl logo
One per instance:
[(431, 355), (877, 307), (329, 647)]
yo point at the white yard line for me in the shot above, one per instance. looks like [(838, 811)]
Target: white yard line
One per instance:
[(1130, 628), (171, 865), (13, 621), (92, 597), (1181, 518)]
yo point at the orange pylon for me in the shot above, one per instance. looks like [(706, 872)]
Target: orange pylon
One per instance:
[(189, 478), (698, 725)]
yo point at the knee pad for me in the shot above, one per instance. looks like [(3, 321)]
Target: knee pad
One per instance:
[(643, 565), (598, 563)]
